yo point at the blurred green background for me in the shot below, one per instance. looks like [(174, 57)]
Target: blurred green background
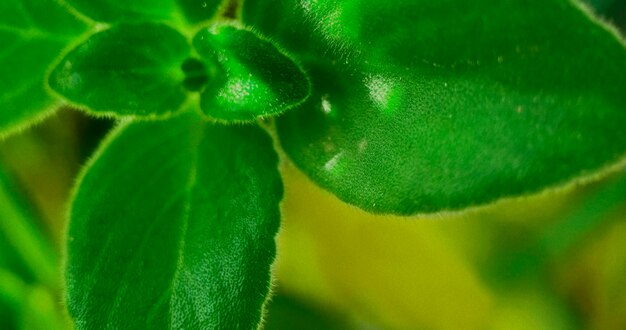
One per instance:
[(556, 260)]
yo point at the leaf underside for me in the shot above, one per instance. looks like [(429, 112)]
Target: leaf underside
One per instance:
[(422, 106), (173, 225)]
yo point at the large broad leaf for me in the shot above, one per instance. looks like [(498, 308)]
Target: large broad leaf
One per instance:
[(258, 79), (422, 106), (192, 11), (32, 34), (129, 69), (173, 226)]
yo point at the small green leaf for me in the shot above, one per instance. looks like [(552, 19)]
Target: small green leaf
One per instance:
[(147, 10), (173, 226), (259, 79), (32, 33), (129, 69), (422, 106)]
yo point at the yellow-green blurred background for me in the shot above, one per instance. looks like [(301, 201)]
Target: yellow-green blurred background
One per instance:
[(556, 260)]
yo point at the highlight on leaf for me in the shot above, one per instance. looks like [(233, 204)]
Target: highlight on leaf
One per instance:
[(435, 111), (259, 79)]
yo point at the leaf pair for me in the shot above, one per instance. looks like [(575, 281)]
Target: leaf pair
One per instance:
[(146, 69)]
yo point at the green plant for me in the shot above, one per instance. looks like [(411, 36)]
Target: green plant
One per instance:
[(394, 106)]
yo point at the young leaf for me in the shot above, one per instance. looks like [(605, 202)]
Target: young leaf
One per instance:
[(146, 10), (129, 69), (259, 80), (422, 106), (173, 226), (32, 33)]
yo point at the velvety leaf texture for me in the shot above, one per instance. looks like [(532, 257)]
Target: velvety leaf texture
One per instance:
[(173, 226), (192, 11), (32, 33), (422, 106), (129, 69), (258, 79)]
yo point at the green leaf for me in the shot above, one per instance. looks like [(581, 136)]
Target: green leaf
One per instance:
[(422, 106), (259, 79), (173, 226), (129, 69), (32, 33), (194, 11)]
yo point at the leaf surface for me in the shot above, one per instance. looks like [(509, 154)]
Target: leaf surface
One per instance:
[(177, 11), (422, 106), (129, 69), (32, 34), (173, 226), (258, 79)]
